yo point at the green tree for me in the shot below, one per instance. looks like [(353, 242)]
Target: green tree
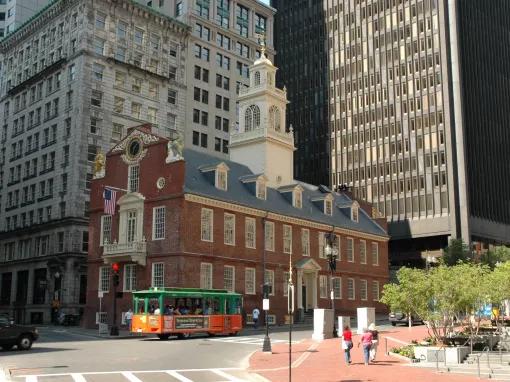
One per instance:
[(440, 296), (500, 254), (457, 251)]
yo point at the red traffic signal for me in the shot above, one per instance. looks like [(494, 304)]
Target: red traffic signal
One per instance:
[(115, 267)]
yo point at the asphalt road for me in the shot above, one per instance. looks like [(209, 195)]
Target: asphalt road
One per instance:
[(64, 355)]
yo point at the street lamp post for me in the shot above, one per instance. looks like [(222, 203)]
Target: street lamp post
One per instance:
[(331, 253)]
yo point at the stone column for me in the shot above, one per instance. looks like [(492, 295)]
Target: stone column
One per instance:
[(30, 286), (14, 284), (314, 289), (299, 287)]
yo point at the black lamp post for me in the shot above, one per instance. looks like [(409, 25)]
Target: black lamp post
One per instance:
[(331, 253)]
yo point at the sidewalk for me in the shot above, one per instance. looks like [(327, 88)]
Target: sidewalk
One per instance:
[(324, 361)]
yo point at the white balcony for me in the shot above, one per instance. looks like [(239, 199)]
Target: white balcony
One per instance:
[(135, 251)]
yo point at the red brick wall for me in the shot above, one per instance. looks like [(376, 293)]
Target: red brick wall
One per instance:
[(182, 250)]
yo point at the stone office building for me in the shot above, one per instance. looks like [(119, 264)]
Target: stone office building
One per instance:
[(224, 42), (417, 117), (200, 221), (75, 76)]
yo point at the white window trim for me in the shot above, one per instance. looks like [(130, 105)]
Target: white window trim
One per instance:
[(294, 198), (260, 185), (271, 272), (323, 282), (287, 227), (326, 202), (377, 253), (363, 282), (101, 233), (340, 289), (321, 242), (133, 267), (355, 216), (210, 271), (361, 243), (211, 225), (307, 252), (254, 271), (350, 240), (271, 242), (353, 289), (233, 289), (247, 219), (152, 274), (100, 289), (221, 171), (376, 282), (285, 284), (233, 229), (154, 222)]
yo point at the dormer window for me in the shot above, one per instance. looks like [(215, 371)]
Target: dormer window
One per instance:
[(355, 212), (297, 198), (221, 179), (261, 189), (328, 207)]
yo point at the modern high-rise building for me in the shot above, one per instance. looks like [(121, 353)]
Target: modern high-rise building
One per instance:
[(301, 55), (75, 78), (225, 40), (417, 114), (13, 13)]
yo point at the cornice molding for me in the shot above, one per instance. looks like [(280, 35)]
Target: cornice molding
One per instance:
[(193, 198)]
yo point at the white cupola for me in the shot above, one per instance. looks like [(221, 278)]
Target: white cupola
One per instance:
[(262, 142)]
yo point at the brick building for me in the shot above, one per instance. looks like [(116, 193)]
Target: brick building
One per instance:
[(193, 220)]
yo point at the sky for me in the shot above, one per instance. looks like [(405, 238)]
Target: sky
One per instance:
[(265, 1)]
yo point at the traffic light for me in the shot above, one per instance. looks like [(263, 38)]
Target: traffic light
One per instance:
[(116, 278), (265, 290)]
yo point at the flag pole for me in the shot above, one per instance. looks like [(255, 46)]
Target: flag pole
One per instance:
[(115, 188)]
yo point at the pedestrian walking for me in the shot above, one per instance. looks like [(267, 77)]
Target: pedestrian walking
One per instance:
[(255, 315), (375, 341), (347, 344), (366, 341), (129, 317)]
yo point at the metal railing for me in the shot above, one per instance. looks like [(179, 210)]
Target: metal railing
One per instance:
[(486, 349)]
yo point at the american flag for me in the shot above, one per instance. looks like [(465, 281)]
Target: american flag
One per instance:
[(110, 198)]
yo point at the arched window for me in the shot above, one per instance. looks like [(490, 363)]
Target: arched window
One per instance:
[(274, 118), (257, 78), (252, 118), (270, 79)]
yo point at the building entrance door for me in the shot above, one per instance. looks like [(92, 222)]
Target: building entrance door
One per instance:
[(303, 295)]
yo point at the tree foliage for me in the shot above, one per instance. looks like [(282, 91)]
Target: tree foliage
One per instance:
[(496, 255), (443, 295), (456, 252)]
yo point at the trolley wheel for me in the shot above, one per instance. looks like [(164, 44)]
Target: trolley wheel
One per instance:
[(233, 334), (163, 337), (183, 336), (211, 334)]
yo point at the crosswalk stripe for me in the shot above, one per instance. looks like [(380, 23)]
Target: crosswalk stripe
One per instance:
[(227, 376), (178, 376), (131, 376), (78, 377), (31, 378)]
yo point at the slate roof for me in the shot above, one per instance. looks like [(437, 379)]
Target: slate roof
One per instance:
[(196, 182)]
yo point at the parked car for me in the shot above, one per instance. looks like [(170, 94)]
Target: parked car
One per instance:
[(11, 334), (402, 318)]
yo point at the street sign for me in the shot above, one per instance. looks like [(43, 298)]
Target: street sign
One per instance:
[(265, 304), (100, 294)]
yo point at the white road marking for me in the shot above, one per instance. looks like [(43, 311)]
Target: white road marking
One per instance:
[(248, 340), (178, 376), (3, 378), (78, 377), (305, 355), (227, 376), (131, 377)]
